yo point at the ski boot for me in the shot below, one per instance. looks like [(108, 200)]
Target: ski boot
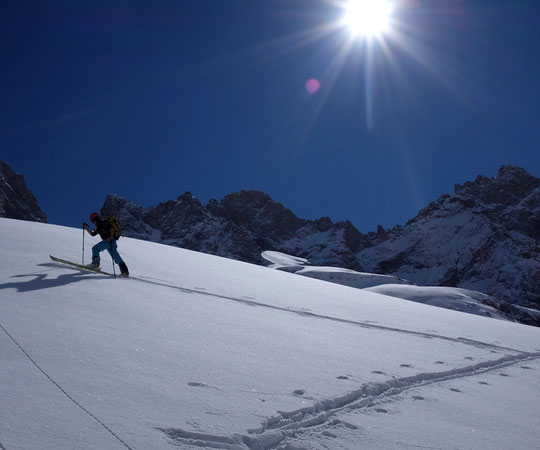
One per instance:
[(124, 272)]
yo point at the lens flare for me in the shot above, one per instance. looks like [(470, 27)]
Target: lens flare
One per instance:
[(312, 85)]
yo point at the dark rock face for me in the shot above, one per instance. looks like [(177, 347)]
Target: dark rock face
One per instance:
[(241, 226), (484, 237), (185, 223), (16, 200)]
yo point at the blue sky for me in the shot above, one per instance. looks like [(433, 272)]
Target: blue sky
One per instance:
[(147, 100)]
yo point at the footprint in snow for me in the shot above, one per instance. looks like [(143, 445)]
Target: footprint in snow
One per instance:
[(202, 385), (328, 434), (418, 397), (378, 372), (455, 390), (439, 362), (342, 377), (526, 367), (469, 358), (299, 392), (484, 383), (406, 365), (381, 410), (504, 375)]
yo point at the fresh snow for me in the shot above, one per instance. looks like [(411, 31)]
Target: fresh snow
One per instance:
[(458, 299), (279, 259), (200, 351), (444, 297), (346, 277)]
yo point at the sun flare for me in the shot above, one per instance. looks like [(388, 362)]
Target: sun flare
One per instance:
[(367, 17)]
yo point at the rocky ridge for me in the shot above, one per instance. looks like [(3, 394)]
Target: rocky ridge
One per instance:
[(484, 236), (16, 200)]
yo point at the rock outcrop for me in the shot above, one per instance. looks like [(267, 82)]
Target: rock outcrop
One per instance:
[(16, 200)]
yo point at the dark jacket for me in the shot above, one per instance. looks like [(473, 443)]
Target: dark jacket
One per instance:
[(103, 228)]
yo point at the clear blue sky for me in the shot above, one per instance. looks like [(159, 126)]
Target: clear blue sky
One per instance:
[(147, 100)]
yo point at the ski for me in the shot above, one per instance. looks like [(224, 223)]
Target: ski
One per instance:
[(80, 266)]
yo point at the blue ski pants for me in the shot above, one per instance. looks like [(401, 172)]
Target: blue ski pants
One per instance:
[(111, 247)]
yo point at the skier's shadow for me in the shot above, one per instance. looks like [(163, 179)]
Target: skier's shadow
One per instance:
[(42, 281)]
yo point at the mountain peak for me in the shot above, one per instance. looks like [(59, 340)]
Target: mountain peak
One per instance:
[(508, 187)]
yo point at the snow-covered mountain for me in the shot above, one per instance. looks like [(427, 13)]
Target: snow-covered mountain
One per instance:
[(483, 237), (198, 351), (16, 200)]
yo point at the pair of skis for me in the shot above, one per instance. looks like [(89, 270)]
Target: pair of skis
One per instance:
[(80, 266)]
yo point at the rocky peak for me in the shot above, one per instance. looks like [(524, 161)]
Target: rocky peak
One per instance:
[(323, 224), (263, 216), (16, 200), (508, 187), (483, 237)]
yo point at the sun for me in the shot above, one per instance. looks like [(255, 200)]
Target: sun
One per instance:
[(368, 18)]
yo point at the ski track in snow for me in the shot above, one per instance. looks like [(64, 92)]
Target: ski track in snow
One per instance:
[(61, 389), (366, 324), (324, 416), (252, 302)]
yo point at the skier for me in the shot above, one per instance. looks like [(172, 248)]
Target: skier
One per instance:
[(106, 232)]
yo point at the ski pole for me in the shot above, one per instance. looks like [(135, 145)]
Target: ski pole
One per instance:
[(112, 259), (83, 245)]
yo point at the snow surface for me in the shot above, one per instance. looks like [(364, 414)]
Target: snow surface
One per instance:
[(200, 351), (444, 297), (346, 277)]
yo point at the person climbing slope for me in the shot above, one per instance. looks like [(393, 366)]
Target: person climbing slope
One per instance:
[(106, 231)]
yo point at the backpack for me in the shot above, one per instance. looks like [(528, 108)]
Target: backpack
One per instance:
[(116, 226)]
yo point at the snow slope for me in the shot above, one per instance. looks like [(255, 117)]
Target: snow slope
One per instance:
[(200, 351)]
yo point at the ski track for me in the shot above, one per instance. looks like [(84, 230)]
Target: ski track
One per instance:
[(61, 389), (324, 415), (252, 302), (367, 324)]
